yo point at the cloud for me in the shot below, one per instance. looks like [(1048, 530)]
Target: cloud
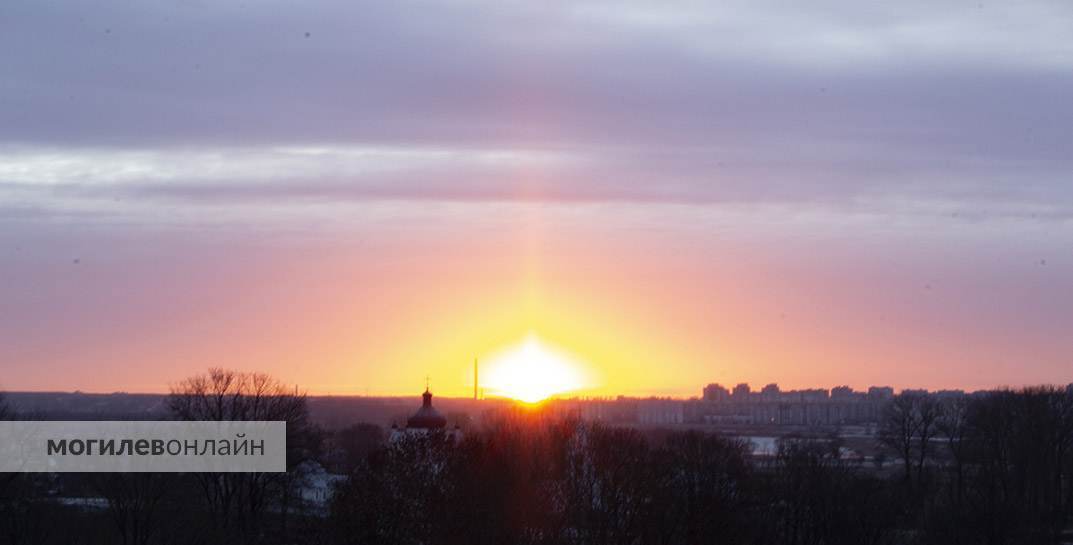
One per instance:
[(834, 175), (836, 103)]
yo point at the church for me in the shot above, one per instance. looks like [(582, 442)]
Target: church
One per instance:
[(425, 421)]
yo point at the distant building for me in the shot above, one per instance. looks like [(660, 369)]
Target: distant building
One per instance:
[(770, 392), (426, 420), (716, 393), (741, 392), (841, 393), (427, 417), (603, 410), (773, 406), (949, 394), (880, 392), (316, 487), (660, 411)]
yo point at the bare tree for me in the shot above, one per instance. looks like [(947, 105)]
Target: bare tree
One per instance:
[(702, 489), (401, 494), (134, 502), (908, 426), (898, 430), (6, 412), (237, 502), (926, 412), (609, 483), (223, 394), (953, 426)]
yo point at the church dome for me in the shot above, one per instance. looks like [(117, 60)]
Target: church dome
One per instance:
[(427, 417)]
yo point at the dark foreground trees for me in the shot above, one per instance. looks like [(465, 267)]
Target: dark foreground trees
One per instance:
[(6, 411), (816, 493), (562, 481), (994, 469), (136, 503), (1006, 473)]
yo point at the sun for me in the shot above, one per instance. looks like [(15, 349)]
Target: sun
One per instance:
[(533, 371)]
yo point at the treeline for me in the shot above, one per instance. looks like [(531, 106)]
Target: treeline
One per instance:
[(984, 469), (529, 481), (994, 468)]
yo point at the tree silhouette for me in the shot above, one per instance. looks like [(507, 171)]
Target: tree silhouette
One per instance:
[(237, 502)]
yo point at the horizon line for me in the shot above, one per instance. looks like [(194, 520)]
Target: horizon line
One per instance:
[(998, 387)]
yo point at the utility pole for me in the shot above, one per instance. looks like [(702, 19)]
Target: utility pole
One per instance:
[(475, 379)]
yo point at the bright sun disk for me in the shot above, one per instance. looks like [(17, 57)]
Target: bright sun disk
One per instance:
[(532, 372)]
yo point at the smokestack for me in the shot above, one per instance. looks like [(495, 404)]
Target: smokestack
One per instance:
[(475, 381)]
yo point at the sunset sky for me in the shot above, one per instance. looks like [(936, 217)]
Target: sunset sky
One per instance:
[(354, 195)]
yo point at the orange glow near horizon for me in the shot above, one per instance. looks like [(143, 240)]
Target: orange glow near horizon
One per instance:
[(641, 315)]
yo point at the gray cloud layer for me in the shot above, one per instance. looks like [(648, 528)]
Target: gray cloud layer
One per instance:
[(833, 102)]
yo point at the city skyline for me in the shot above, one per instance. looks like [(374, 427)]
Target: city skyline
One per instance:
[(701, 393)]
